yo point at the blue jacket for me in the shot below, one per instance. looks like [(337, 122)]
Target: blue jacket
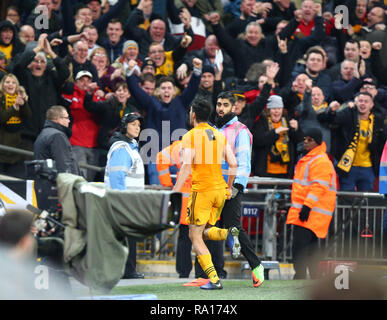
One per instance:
[(242, 153), (121, 158), (159, 114), (113, 51)]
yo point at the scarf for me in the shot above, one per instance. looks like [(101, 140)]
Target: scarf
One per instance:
[(347, 158), (10, 101), (321, 108), (280, 149)]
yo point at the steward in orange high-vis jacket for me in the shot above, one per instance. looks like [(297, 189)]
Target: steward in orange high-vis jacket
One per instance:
[(313, 202), (171, 156)]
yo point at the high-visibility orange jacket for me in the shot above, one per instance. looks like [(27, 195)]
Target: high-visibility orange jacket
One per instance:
[(167, 158), (314, 185)]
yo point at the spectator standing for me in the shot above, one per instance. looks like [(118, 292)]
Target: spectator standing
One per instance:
[(43, 83), (115, 41), (129, 52), (314, 69), (14, 110), (157, 32), (275, 140), (85, 125), (3, 71), (313, 202), (45, 7), (208, 54), (110, 113), (77, 61), (344, 89), (26, 34), (360, 142), (165, 107), (254, 48), (108, 76), (314, 104), (10, 43), (91, 38), (167, 60), (184, 17)]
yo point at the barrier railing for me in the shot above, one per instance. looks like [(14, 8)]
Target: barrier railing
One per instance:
[(30, 154), (356, 230)]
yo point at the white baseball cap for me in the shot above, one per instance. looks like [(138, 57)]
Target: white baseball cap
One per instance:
[(83, 73)]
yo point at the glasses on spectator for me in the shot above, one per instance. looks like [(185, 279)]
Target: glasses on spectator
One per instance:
[(368, 86), (64, 117), (156, 51), (40, 61)]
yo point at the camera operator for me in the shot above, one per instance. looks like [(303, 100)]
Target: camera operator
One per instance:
[(53, 143)]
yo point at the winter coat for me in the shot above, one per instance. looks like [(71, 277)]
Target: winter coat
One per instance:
[(347, 120), (43, 92), (314, 186), (109, 115), (53, 143), (10, 133), (263, 140)]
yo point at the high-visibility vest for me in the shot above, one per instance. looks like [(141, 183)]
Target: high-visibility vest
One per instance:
[(135, 175), (167, 158), (314, 185)]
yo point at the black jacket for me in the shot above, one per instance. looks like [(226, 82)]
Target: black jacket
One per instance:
[(53, 143), (18, 46), (242, 52), (347, 119), (263, 140), (109, 112), (252, 110), (143, 38), (43, 92)]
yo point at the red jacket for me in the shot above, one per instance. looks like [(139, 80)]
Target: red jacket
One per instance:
[(85, 125)]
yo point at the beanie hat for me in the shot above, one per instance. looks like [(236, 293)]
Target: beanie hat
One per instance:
[(313, 133), (209, 69), (148, 62), (129, 44), (275, 102)]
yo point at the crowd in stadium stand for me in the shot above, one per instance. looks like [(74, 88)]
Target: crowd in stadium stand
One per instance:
[(325, 63)]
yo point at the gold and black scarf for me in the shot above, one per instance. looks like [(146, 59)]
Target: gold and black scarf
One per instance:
[(10, 100), (279, 151), (347, 158)]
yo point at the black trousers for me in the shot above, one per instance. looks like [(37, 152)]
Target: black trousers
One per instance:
[(183, 256), (305, 247), (230, 217)]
